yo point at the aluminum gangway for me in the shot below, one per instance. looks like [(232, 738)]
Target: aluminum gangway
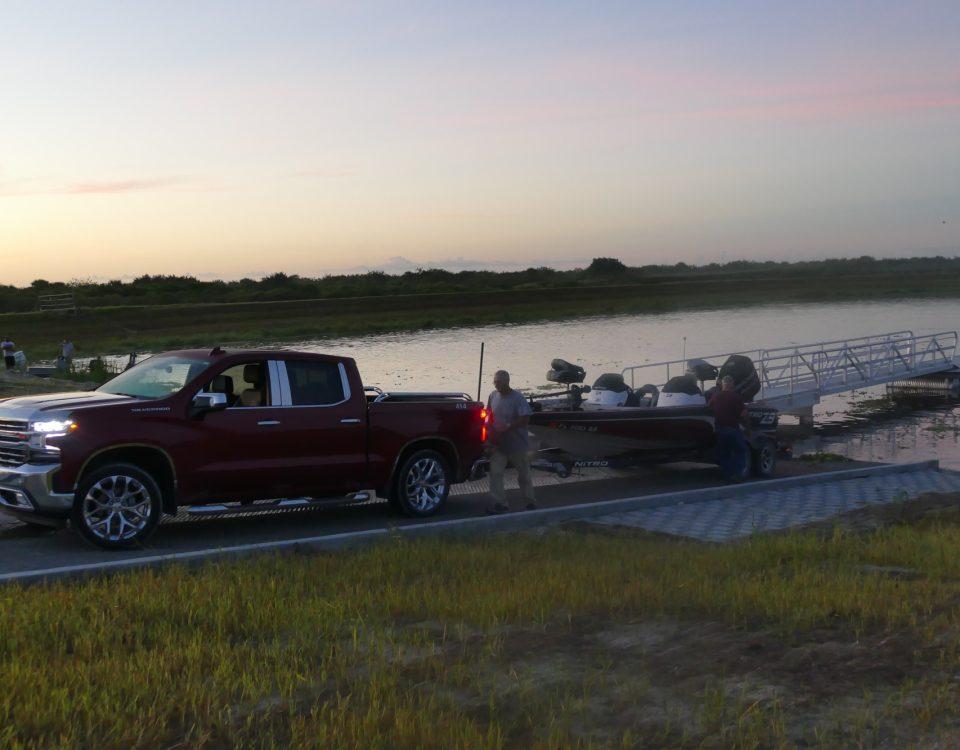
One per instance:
[(794, 378)]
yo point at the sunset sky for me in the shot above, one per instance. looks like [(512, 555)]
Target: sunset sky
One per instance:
[(239, 138)]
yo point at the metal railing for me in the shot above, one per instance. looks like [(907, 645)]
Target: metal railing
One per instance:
[(836, 366), (814, 370)]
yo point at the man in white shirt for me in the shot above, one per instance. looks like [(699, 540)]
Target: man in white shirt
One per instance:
[(509, 442)]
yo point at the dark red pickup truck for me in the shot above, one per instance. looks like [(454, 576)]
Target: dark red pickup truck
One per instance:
[(204, 428)]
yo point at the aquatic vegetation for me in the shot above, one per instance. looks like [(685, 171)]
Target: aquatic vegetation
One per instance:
[(942, 427)]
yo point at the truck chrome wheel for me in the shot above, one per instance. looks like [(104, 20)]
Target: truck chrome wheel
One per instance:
[(117, 508), (421, 486), (425, 484)]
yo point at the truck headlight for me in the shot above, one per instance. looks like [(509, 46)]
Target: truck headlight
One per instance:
[(40, 432), (53, 427)]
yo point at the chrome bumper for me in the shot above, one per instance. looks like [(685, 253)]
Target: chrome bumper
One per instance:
[(28, 489)]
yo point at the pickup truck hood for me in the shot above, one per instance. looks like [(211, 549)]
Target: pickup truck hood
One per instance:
[(25, 407)]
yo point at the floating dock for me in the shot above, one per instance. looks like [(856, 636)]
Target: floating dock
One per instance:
[(795, 378)]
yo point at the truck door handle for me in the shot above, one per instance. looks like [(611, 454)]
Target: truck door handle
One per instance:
[(349, 421), (268, 422)]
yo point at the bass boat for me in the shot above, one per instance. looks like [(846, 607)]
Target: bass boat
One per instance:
[(611, 424)]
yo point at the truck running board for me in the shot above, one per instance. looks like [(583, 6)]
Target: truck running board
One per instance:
[(285, 504)]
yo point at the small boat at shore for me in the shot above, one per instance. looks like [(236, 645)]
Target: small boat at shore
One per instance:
[(611, 424)]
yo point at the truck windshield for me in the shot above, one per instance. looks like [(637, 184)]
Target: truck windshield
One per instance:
[(156, 377)]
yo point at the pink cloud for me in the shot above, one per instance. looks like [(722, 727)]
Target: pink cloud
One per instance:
[(173, 183), (593, 87), (123, 186), (817, 108), (323, 174)]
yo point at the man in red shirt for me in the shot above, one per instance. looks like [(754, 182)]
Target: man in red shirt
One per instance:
[(730, 411)]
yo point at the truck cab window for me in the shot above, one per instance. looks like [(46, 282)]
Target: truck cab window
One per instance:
[(156, 377), (244, 385), (315, 383)]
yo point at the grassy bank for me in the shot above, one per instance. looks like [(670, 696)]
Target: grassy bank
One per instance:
[(571, 639), (18, 385), (122, 329)]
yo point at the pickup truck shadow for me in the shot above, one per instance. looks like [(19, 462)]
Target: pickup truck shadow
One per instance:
[(184, 533)]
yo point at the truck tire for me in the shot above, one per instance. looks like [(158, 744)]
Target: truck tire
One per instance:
[(763, 458), (422, 484), (117, 506)]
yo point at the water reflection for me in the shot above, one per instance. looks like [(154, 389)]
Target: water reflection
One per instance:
[(870, 427)]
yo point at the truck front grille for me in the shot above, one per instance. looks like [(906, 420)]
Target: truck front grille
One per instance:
[(13, 425), (13, 455), (13, 442)]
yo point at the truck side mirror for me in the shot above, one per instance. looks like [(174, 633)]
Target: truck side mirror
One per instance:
[(204, 403)]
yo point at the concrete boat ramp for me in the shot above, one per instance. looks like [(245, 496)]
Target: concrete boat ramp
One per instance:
[(760, 509), (687, 503)]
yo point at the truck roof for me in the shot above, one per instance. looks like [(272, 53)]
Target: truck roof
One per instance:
[(228, 355)]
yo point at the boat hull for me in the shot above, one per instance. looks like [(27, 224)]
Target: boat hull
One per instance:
[(625, 431)]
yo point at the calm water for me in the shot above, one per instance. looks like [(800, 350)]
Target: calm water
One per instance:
[(449, 359)]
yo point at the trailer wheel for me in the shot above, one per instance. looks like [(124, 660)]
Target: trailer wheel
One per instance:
[(422, 484), (117, 506), (763, 458)]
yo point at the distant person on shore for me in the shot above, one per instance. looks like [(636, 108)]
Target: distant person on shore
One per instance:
[(509, 443), (730, 411), (8, 347), (65, 360)]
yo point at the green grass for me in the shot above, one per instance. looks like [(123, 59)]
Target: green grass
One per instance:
[(122, 329), (499, 642)]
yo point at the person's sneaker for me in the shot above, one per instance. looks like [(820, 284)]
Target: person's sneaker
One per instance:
[(531, 506), (497, 508)]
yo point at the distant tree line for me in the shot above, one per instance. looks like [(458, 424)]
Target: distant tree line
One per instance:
[(164, 290)]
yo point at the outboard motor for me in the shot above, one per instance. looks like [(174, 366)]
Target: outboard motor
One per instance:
[(701, 369), (608, 391), (744, 374), (562, 371)]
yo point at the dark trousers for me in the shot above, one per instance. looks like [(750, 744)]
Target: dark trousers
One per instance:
[(10, 361), (732, 451)]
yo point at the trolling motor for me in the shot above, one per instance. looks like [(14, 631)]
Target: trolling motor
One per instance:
[(565, 373)]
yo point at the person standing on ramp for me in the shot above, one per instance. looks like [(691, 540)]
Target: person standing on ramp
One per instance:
[(509, 441), (730, 412)]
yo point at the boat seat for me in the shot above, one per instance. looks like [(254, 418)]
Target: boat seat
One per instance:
[(562, 371), (611, 381), (682, 384)]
